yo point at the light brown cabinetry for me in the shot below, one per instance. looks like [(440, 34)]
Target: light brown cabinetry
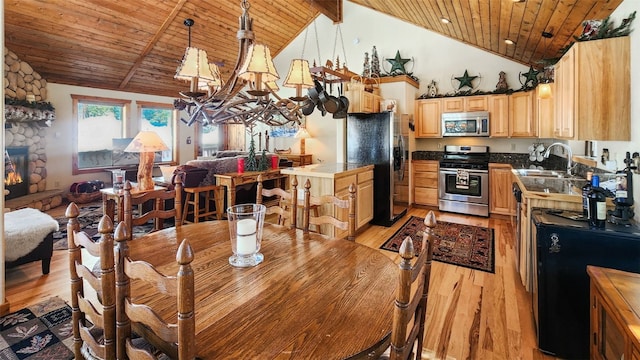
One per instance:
[(593, 80), (465, 103), (233, 136), (425, 182), (615, 324), (564, 123), (428, 118), (499, 115), (501, 199), (335, 179), (361, 101), (364, 211), (522, 123)]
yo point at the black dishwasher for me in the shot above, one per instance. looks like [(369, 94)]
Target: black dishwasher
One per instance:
[(564, 248)]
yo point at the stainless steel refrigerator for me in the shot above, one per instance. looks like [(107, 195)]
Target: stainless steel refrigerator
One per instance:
[(376, 139)]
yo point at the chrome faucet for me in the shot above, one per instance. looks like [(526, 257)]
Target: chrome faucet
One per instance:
[(569, 154)]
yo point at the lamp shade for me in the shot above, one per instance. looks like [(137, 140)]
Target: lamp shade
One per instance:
[(299, 74), (146, 141), (195, 63), (544, 91), (258, 62), (302, 134)]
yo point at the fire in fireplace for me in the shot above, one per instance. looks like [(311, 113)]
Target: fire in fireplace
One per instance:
[(16, 166)]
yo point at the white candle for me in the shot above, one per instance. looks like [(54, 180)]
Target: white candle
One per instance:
[(246, 233)]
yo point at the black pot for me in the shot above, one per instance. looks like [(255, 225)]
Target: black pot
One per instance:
[(342, 109), (307, 107)]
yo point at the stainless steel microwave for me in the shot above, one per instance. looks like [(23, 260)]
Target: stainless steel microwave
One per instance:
[(465, 124)]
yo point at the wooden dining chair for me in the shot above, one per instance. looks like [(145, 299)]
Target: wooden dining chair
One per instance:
[(153, 205), (411, 296), (281, 205), (156, 338), (93, 314), (341, 206)]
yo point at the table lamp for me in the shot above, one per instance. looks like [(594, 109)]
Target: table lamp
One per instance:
[(146, 143), (302, 134)]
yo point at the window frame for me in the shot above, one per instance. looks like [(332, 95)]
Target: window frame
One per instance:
[(76, 100)]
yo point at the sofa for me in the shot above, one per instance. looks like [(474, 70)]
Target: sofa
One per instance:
[(223, 162)]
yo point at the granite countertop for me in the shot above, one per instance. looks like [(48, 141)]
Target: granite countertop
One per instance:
[(326, 170)]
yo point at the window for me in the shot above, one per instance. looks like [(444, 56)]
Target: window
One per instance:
[(100, 128), (161, 119), (209, 139)]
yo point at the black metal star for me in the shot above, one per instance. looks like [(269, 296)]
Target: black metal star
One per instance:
[(465, 80), (397, 64), (530, 76)]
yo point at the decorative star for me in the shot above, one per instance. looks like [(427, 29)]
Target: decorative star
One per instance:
[(530, 76), (465, 80), (397, 64)]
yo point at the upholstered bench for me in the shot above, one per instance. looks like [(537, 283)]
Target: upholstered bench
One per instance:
[(28, 237)]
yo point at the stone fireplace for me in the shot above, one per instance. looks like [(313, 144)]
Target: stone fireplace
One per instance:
[(27, 120)]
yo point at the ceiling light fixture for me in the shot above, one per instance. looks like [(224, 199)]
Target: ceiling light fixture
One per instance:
[(544, 88), (509, 41), (228, 101), (444, 20)]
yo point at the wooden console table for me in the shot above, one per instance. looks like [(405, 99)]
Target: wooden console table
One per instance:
[(232, 180), (298, 159)]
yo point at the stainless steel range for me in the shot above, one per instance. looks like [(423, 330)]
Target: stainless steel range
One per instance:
[(463, 185)]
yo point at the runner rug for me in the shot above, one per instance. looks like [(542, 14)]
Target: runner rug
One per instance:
[(463, 245), (41, 331)]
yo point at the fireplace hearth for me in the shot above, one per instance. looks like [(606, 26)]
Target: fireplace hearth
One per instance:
[(16, 172)]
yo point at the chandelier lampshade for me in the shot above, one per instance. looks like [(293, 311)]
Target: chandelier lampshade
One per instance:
[(299, 77), (195, 67), (258, 68)]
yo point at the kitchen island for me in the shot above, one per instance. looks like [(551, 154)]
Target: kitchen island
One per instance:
[(334, 179), (541, 192)]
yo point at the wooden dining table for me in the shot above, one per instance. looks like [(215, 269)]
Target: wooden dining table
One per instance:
[(311, 298)]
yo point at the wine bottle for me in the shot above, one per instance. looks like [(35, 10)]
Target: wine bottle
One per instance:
[(597, 204), (585, 195)]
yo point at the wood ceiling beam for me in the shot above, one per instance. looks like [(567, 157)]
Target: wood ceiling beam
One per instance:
[(330, 8), (152, 43)]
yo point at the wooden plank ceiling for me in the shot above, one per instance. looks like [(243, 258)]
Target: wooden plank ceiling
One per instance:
[(136, 46)]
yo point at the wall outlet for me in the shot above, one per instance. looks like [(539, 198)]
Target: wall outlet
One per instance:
[(439, 145), (56, 184), (513, 147)]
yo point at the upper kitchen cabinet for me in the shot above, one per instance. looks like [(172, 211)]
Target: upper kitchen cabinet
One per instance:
[(522, 123), (594, 91), (465, 103), (499, 115), (428, 118)]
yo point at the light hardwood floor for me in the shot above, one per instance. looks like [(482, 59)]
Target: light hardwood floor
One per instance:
[(470, 314)]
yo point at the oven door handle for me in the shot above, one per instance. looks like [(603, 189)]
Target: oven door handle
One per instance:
[(455, 171)]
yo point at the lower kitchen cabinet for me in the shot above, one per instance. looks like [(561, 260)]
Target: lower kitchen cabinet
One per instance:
[(501, 199), (615, 321), (425, 182), (335, 179)]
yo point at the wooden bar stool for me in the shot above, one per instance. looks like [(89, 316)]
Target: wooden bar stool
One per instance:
[(213, 197)]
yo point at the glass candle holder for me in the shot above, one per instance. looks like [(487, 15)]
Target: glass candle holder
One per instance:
[(118, 179), (245, 229)]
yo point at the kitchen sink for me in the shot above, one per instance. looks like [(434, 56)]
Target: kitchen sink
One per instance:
[(560, 174)]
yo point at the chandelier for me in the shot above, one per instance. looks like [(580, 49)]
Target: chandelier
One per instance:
[(249, 95)]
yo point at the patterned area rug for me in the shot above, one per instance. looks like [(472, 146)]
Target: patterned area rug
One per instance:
[(457, 244), (89, 218), (41, 331)]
